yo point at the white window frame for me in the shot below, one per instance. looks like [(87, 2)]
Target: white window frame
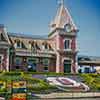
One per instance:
[(69, 44)]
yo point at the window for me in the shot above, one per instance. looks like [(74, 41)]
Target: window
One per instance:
[(0, 62), (32, 64), (45, 64), (45, 46), (23, 46), (35, 46), (46, 68), (67, 44), (0, 59), (18, 44), (18, 61), (87, 70)]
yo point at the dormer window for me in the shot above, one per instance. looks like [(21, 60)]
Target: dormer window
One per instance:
[(67, 44), (35, 46), (50, 48), (45, 46), (23, 46), (2, 37), (19, 44)]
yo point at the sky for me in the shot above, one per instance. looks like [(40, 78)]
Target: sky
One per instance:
[(34, 17)]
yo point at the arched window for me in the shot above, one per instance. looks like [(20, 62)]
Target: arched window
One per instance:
[(23, 45), (45, 46), (18, 44), (35, 46), (67, 44)]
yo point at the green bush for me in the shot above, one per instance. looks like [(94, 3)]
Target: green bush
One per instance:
[(12, 73), (93, 80)]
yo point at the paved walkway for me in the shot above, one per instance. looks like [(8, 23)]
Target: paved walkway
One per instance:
[(63, 95)]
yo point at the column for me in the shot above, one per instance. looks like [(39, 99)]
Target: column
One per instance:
[(58, 63), (7, 60)]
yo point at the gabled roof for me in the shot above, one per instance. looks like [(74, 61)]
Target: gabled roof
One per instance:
[(62, 18), (29, 36), (34, 40)]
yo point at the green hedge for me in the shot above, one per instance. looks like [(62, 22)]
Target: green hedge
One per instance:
[(50, 73), (12, 73)]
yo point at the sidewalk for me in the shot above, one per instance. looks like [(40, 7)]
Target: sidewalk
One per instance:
[(69, 95)]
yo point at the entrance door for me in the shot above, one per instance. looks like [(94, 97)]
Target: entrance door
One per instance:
[(67, 66)]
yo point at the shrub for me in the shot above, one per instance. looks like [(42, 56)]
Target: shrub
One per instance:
[(93, 80)]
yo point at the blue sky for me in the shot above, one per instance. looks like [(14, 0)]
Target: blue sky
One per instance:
[(34, 16)]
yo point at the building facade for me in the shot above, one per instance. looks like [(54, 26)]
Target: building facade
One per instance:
[(88, 64), (55, 53)]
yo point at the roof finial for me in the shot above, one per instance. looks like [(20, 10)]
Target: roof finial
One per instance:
[(61, 2)]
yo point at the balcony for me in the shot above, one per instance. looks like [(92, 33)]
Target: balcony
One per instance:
[(26, 52)]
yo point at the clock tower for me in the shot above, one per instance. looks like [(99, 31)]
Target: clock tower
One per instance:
[(64, 32)]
